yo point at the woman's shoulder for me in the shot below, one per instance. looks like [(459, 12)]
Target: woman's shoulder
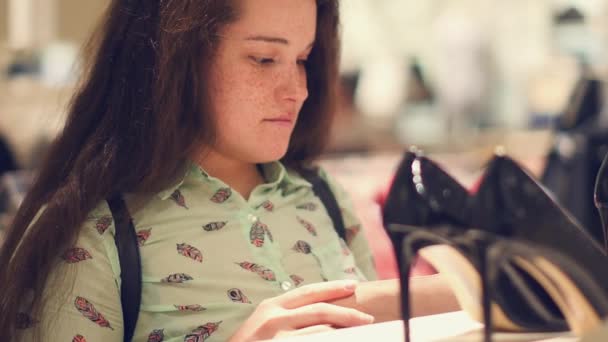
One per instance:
[(98, 222), (102, 216)]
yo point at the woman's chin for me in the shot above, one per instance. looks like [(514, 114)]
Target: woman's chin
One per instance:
[(272, 154)]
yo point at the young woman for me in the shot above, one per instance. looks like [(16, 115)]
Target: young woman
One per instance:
[(201, 114)]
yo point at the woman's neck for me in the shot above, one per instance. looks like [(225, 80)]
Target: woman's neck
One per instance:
[(241, 176)]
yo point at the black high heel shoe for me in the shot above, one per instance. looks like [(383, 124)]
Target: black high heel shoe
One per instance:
[(402, 195), (431, 218), (520, 303), (511, 204), (600, 198), (403, 204), (527, 212), (408, 204), (406, 210)]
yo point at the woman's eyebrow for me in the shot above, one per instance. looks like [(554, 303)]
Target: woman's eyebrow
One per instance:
[(270, 39)]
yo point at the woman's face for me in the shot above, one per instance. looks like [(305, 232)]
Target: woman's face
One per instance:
[(258, 78)]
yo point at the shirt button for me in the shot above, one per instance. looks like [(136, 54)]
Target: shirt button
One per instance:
[(286, 285)]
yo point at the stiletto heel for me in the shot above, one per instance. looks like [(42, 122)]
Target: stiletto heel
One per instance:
[(413, 239), (481, 245), (600, 198), (436, 245), (404, 272), (486, 300), (399, 222)]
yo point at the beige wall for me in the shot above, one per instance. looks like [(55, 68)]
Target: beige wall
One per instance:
[(77, 18), (3, 28)]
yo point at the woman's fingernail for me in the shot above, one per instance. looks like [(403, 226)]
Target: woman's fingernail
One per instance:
[(367, 318)]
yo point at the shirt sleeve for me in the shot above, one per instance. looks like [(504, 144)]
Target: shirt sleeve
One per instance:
[(356, 239), (82, 296)]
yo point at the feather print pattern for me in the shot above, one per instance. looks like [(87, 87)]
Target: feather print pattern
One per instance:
[(177, 278), (237, 296), (307, 206), (214, 226), (79, 338), (267, 231), (221, 196), (256, 234), (260, 270), (103, 224), (297, 280), (143, 235), (178, 198), (76, 254), (157, 335), (350, 270), (87, 309), (202, 333), (191, 308), (268, 206), (351, 232), (190, 252), (309, 227), (302, 247)]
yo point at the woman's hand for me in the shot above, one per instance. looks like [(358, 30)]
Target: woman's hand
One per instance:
[(302, 311)]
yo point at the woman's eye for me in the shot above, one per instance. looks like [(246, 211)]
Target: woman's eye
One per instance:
[(262, 60), (302, 62)]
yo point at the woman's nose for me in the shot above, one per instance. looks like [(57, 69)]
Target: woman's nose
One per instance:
[(294, 85)]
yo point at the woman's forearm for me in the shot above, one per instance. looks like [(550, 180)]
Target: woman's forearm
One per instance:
[(381, 299), (431, 295)]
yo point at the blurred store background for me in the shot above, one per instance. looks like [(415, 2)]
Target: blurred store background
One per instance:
[(454, 77)]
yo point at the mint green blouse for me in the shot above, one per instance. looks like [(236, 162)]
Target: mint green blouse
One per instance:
[(208, 258)]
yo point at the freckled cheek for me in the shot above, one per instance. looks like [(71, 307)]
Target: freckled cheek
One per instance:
[(243, 101), (255, 95)]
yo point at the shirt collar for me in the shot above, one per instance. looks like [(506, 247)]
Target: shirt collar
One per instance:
[(275, 173), (165, 194)]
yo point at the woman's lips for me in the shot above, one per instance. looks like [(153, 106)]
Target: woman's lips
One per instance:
[(286, 120)]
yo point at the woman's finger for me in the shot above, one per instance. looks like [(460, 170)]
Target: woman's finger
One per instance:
[(304, 331), (311, 330), (327, 314)]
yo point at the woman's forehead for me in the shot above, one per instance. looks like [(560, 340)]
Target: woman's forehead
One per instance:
[(274, 21)]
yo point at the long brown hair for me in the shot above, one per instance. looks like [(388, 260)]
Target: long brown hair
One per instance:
[(137, 116)]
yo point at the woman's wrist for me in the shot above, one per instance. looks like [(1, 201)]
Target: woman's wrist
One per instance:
[(380, 299)]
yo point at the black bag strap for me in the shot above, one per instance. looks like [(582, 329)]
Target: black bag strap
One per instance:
[(322, 190), (130, 264)]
